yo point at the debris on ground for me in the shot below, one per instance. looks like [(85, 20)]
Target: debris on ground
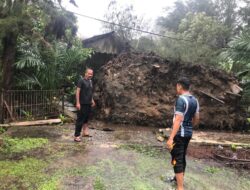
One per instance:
[(139, 88)]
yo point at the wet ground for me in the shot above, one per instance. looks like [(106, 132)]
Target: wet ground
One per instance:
[(128, 158)]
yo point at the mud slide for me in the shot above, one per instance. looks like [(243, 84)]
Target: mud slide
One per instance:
[(139, 89)]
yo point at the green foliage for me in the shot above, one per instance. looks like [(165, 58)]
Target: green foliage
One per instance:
[(39, 26), (204, 30), (29, 57), (233, 147), (2, 130), (52, 67), (209, 24), (28, 115), (237, 59), (203, 39), (16, 145), (225, 11), (62, 117), (238, 53), (145, 44)]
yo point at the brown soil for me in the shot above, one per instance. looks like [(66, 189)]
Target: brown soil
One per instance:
[(140, 89), (201, 151)]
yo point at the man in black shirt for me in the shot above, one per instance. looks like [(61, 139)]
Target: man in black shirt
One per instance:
[(84, 102)]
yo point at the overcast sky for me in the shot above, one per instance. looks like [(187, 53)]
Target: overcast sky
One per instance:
[(149, 9)]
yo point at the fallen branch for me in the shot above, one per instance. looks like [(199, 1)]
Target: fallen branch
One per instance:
[(224, 158), (211, 96)]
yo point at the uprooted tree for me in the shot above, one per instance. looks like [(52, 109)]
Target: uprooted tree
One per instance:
[(140, 89)]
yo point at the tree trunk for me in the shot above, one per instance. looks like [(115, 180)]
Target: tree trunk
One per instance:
[(8, 59)]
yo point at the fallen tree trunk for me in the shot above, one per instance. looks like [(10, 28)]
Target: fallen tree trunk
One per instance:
[(32, 123)]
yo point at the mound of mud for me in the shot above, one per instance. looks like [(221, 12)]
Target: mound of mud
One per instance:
[(138, 88)]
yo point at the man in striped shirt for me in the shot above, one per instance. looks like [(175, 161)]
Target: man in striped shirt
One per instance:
[(185, 117)]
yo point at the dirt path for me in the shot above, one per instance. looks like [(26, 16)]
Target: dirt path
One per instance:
[(128, 158)]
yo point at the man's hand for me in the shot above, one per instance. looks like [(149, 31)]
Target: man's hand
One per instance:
[(170, 144), (78, 106), (93, 103)]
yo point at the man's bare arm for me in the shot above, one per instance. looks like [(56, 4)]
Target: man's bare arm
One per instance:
[(176, 126), (196, 119), (78, 106)]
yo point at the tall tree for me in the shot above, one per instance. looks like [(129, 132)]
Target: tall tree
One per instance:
[(22, 18), (244, 13), (175, 15), (124, 16), (227, 12), (205, 37)]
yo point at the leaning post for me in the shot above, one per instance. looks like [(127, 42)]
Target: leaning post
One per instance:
[(1, 106)]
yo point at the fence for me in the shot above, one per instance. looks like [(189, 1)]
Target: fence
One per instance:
[(30, 104)]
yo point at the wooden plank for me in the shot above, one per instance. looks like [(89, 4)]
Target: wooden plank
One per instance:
[(5, 125), (37, 122), (235, 88), (231, 93), (211, 96), (217, 142)]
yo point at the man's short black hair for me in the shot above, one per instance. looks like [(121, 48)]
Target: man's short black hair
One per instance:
[(184, 82)]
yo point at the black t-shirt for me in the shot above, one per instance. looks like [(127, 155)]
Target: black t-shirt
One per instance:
[(86, 92)]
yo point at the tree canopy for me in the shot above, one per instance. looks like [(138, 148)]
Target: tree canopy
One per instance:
[(39, 44)]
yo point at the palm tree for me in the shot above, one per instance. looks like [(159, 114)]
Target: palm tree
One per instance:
[(238, 56)]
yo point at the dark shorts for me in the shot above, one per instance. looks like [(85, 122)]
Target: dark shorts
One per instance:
[(179, 152)]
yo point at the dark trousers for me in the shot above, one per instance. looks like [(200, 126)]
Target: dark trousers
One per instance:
[(82, 118), (179, 153)]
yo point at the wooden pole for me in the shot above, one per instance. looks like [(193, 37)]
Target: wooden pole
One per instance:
[(1, 106)]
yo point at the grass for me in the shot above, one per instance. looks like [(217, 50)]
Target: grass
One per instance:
[(52, 184), (99, 185), (27, 174), (17, 145), (212, 169), (135, 171), (131, 166), (143, 149)]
